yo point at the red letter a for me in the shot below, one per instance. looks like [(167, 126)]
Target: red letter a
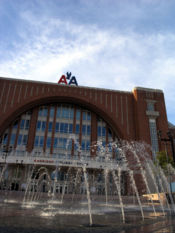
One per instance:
[(62, 80)]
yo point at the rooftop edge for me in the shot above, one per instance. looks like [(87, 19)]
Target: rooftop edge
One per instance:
[(147, 89)]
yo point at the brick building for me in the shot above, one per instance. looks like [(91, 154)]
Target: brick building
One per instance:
[(48, 118)]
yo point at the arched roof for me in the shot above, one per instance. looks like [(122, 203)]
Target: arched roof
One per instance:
[(60, 99)]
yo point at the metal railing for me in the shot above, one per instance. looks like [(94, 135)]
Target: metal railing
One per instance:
[(23, 157)]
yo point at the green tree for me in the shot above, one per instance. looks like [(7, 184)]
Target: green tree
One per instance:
[(163, 159)]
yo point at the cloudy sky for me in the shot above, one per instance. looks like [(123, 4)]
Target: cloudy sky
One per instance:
[(116, 44)]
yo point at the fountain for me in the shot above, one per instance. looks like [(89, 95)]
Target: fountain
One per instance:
[(82, 186)]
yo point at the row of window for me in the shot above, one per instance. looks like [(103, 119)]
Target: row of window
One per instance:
[(22, 139), (39, 140), (61, 143), (24, 124), (85, 145), (101, 131), (64, 112), (63, 127)]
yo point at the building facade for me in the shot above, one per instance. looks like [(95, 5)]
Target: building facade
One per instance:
[(54, 120)]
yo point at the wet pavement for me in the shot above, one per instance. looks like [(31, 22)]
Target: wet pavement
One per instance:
[(166, 226), (15, 218)]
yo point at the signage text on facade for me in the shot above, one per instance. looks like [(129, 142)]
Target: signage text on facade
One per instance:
[(71, 79)]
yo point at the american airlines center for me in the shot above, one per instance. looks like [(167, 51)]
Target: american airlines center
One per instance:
[(60, 124)]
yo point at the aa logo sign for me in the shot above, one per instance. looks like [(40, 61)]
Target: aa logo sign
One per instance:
[(68, 79)]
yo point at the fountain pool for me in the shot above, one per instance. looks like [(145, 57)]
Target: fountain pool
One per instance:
[(102, 192)]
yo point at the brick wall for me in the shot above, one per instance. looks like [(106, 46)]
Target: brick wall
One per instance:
[(125, 112)]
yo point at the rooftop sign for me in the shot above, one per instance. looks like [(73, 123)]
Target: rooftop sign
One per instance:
[(71, 79)]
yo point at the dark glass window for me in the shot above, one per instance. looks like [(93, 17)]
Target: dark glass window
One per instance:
[(57, 127), (15, 125), (59, 112), (45, 111), (78, 114), (36, 140), (70, 128), (99, 131), (84, 115), (27, 124), (55, 142), (43, 125), (71, 113), (40, 112), (24, 140), (75, 147), (19, 139), (104, 131), (150, 106), (77, 129), (83, 129), (65, 128), (48, 143), (88, 129), (87, 145), (104, 144), (52, 110), (88, 116), (60, 145), (5, 139), (12, 139), (110, 147), (22, 124), (50, 127), (38, 125), (70, 145), (64, 143), (61, 127), (109, 133), (65, 113), (83, 145), (41, 141)]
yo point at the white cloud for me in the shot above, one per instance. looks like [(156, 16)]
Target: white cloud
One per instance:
[(96, 57)]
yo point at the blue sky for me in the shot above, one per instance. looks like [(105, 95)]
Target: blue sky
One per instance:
[(116, 44)]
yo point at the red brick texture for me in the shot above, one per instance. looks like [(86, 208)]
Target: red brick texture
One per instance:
[(125, 112)]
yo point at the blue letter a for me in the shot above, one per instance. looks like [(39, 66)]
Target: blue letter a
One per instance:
[(73, 81)]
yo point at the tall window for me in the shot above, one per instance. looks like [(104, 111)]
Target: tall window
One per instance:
[(150, 106), (153, 134)]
